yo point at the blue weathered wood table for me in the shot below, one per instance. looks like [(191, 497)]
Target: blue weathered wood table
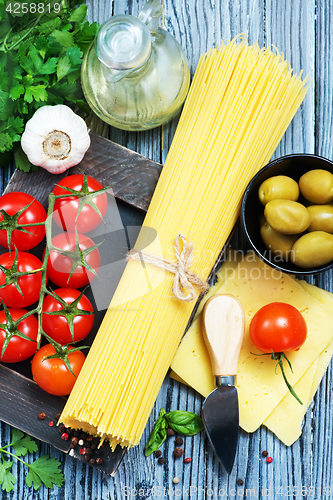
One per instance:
[(302, 30)]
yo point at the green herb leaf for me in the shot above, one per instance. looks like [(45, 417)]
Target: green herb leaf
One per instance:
[(78, 15), (36, 58), (65, 38), (21, 159), (49, 67), (159, 434), (22, 443), (46, 471), (184, 422), (16, 91), (35, 92), (7, 480), (6, 142)]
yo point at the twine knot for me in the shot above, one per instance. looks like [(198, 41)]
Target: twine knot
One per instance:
[(184, 280)]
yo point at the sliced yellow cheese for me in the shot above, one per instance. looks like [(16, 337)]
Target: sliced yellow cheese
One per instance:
[(287, 417), (260, 387), (326, 299)]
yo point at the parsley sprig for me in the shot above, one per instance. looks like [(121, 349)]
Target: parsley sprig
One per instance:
[(43, 470), (40, 63)]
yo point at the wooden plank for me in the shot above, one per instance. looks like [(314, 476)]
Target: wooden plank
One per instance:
[(303, 32), (133, 177)]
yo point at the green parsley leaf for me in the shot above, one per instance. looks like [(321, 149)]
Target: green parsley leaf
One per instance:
[(7, 480), (37, 92), (49, 67), (78, 15), (27, 65), (36, 58), (6, 142), (65, 38), (46, 471), (16, 91), (22, 443), (21, 159)]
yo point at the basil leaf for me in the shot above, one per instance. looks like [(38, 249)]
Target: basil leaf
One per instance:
[(159, 434), (184, 422)]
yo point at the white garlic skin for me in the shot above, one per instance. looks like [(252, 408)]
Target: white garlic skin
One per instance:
[(46, 120)]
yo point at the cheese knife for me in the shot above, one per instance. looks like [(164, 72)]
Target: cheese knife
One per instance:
[(223, 326)]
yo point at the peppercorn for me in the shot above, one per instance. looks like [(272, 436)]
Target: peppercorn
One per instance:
[(89, 451), (51, 423), (178, 452), (179, 441), (72, 446), (92, 461), (93, 446), (82, 451), (240, 482), (81, 442), (269, 460), (64, 436), (58, 415), (61, 428), (74, 440), (265, 453), (170, 432), (175, 480), (187, 460), (41, 415), (89, 438), (158, 453), (99, 461), (160, 460)]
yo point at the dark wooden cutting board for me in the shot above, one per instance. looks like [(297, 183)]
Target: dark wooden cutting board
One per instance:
[(133, 179)]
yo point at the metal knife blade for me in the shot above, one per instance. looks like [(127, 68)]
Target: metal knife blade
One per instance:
[(222, 426), (223, 329)]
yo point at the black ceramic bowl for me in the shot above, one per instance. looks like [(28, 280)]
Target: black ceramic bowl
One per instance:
[(293, 166)]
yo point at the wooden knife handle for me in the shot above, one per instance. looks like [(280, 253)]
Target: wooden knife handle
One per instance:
[(223, 325)]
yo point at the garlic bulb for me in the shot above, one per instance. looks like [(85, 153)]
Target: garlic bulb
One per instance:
[(55, 138)]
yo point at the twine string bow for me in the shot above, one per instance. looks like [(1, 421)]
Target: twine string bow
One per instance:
[(182, 288)]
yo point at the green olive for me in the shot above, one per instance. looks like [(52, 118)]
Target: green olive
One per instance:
[(312, 250), (287, 217), (317, 186), (279, 244), (279, 187), (321, 218)]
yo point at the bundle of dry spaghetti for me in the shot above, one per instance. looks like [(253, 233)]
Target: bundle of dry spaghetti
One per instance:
[(240, 103)]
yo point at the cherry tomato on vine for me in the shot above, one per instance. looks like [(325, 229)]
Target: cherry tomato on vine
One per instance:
[(52, 375), (56, 326), (278, 327), (65, 212), (12, 203), (59, 266), (19, 349), (29, 284)]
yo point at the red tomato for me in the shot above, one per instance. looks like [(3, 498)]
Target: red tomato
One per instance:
[(59, 266), (12, 203), (57, 327), (278, 327), (52, 374), (19, 349), (29, 284), (66, 209)]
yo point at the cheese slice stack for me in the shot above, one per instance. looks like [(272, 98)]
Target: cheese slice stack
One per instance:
[(240, 103), (263, 395)]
